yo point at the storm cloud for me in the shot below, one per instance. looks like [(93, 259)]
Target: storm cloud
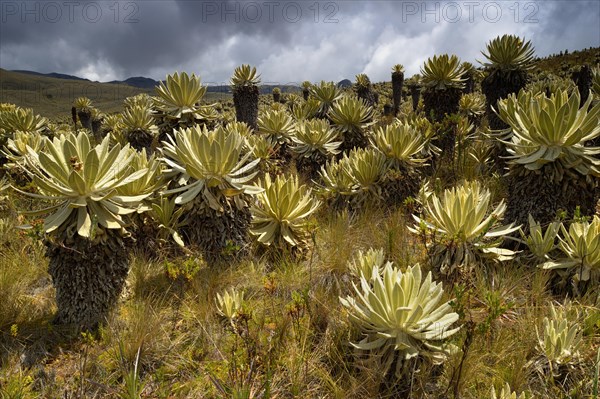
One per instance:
[(288, 41)]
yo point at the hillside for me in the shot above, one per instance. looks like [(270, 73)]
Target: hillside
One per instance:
[(52, 97)]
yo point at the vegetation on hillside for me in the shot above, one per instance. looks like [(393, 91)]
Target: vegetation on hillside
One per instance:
[(314, 246)]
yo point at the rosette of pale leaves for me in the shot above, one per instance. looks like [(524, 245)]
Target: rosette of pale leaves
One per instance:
[(561, 338), (21, 120), (398, 68), (16, 147), (244, 75), (362, 80), (211, 164), (581, 247), (400, 143), (463, 227), (551, 84), (552, 130), (351, 114), (83, 104), (326, 93), (539, 242), (179, 97), (241, 128), (401, 315), (507, 393), (306, 110), (472, 104), (508, 52), (142, 100), (363, 263), (337, 182), (276, 124), (314, 138), (367, 167), (138, 118), (443, 71), (230, 303), (282, 207), (84, 180), (149, 183), (168, 216)]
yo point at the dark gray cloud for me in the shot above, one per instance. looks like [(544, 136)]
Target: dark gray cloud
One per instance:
[(288, 41)]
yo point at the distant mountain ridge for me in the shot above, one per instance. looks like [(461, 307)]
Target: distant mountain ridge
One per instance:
[(52, 75)]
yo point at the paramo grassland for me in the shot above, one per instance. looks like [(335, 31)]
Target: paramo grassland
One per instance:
[(430, 237)]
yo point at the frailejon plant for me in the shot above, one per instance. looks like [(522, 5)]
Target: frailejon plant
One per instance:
[(244, 84), (314, 142), (403, 146), (559, 344), (397, 83), (86, 241), (401, 316), (507, 393), (508, 60), (351, 117), (83, 107), (539, 242), (461, 229), (21, 120), (364, 90), (549, 158), (326, 93), (178, 103), (442, 80), (580, 247), (213, 175), (279, 217), (363, 264), (138, 128)]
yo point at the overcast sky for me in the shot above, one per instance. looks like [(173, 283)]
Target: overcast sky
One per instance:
[(288, 41)]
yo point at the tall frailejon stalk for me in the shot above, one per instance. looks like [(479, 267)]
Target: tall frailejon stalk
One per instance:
[(276, 95), (583, 79), (415, 90), (86, 239), (442, 82), (397, 83), (509, 58), (306, 89), (364, 89), (244, 83), (469, 73), (83, 107)]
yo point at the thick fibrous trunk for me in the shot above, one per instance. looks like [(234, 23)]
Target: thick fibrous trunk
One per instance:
[(415, 93), (498, 85), (245, 100), (439, 103), (219, 235), (88, 277), (397, 83), (536, 193), (583, 80), (85, 117), (367, 95), (140, 139)]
